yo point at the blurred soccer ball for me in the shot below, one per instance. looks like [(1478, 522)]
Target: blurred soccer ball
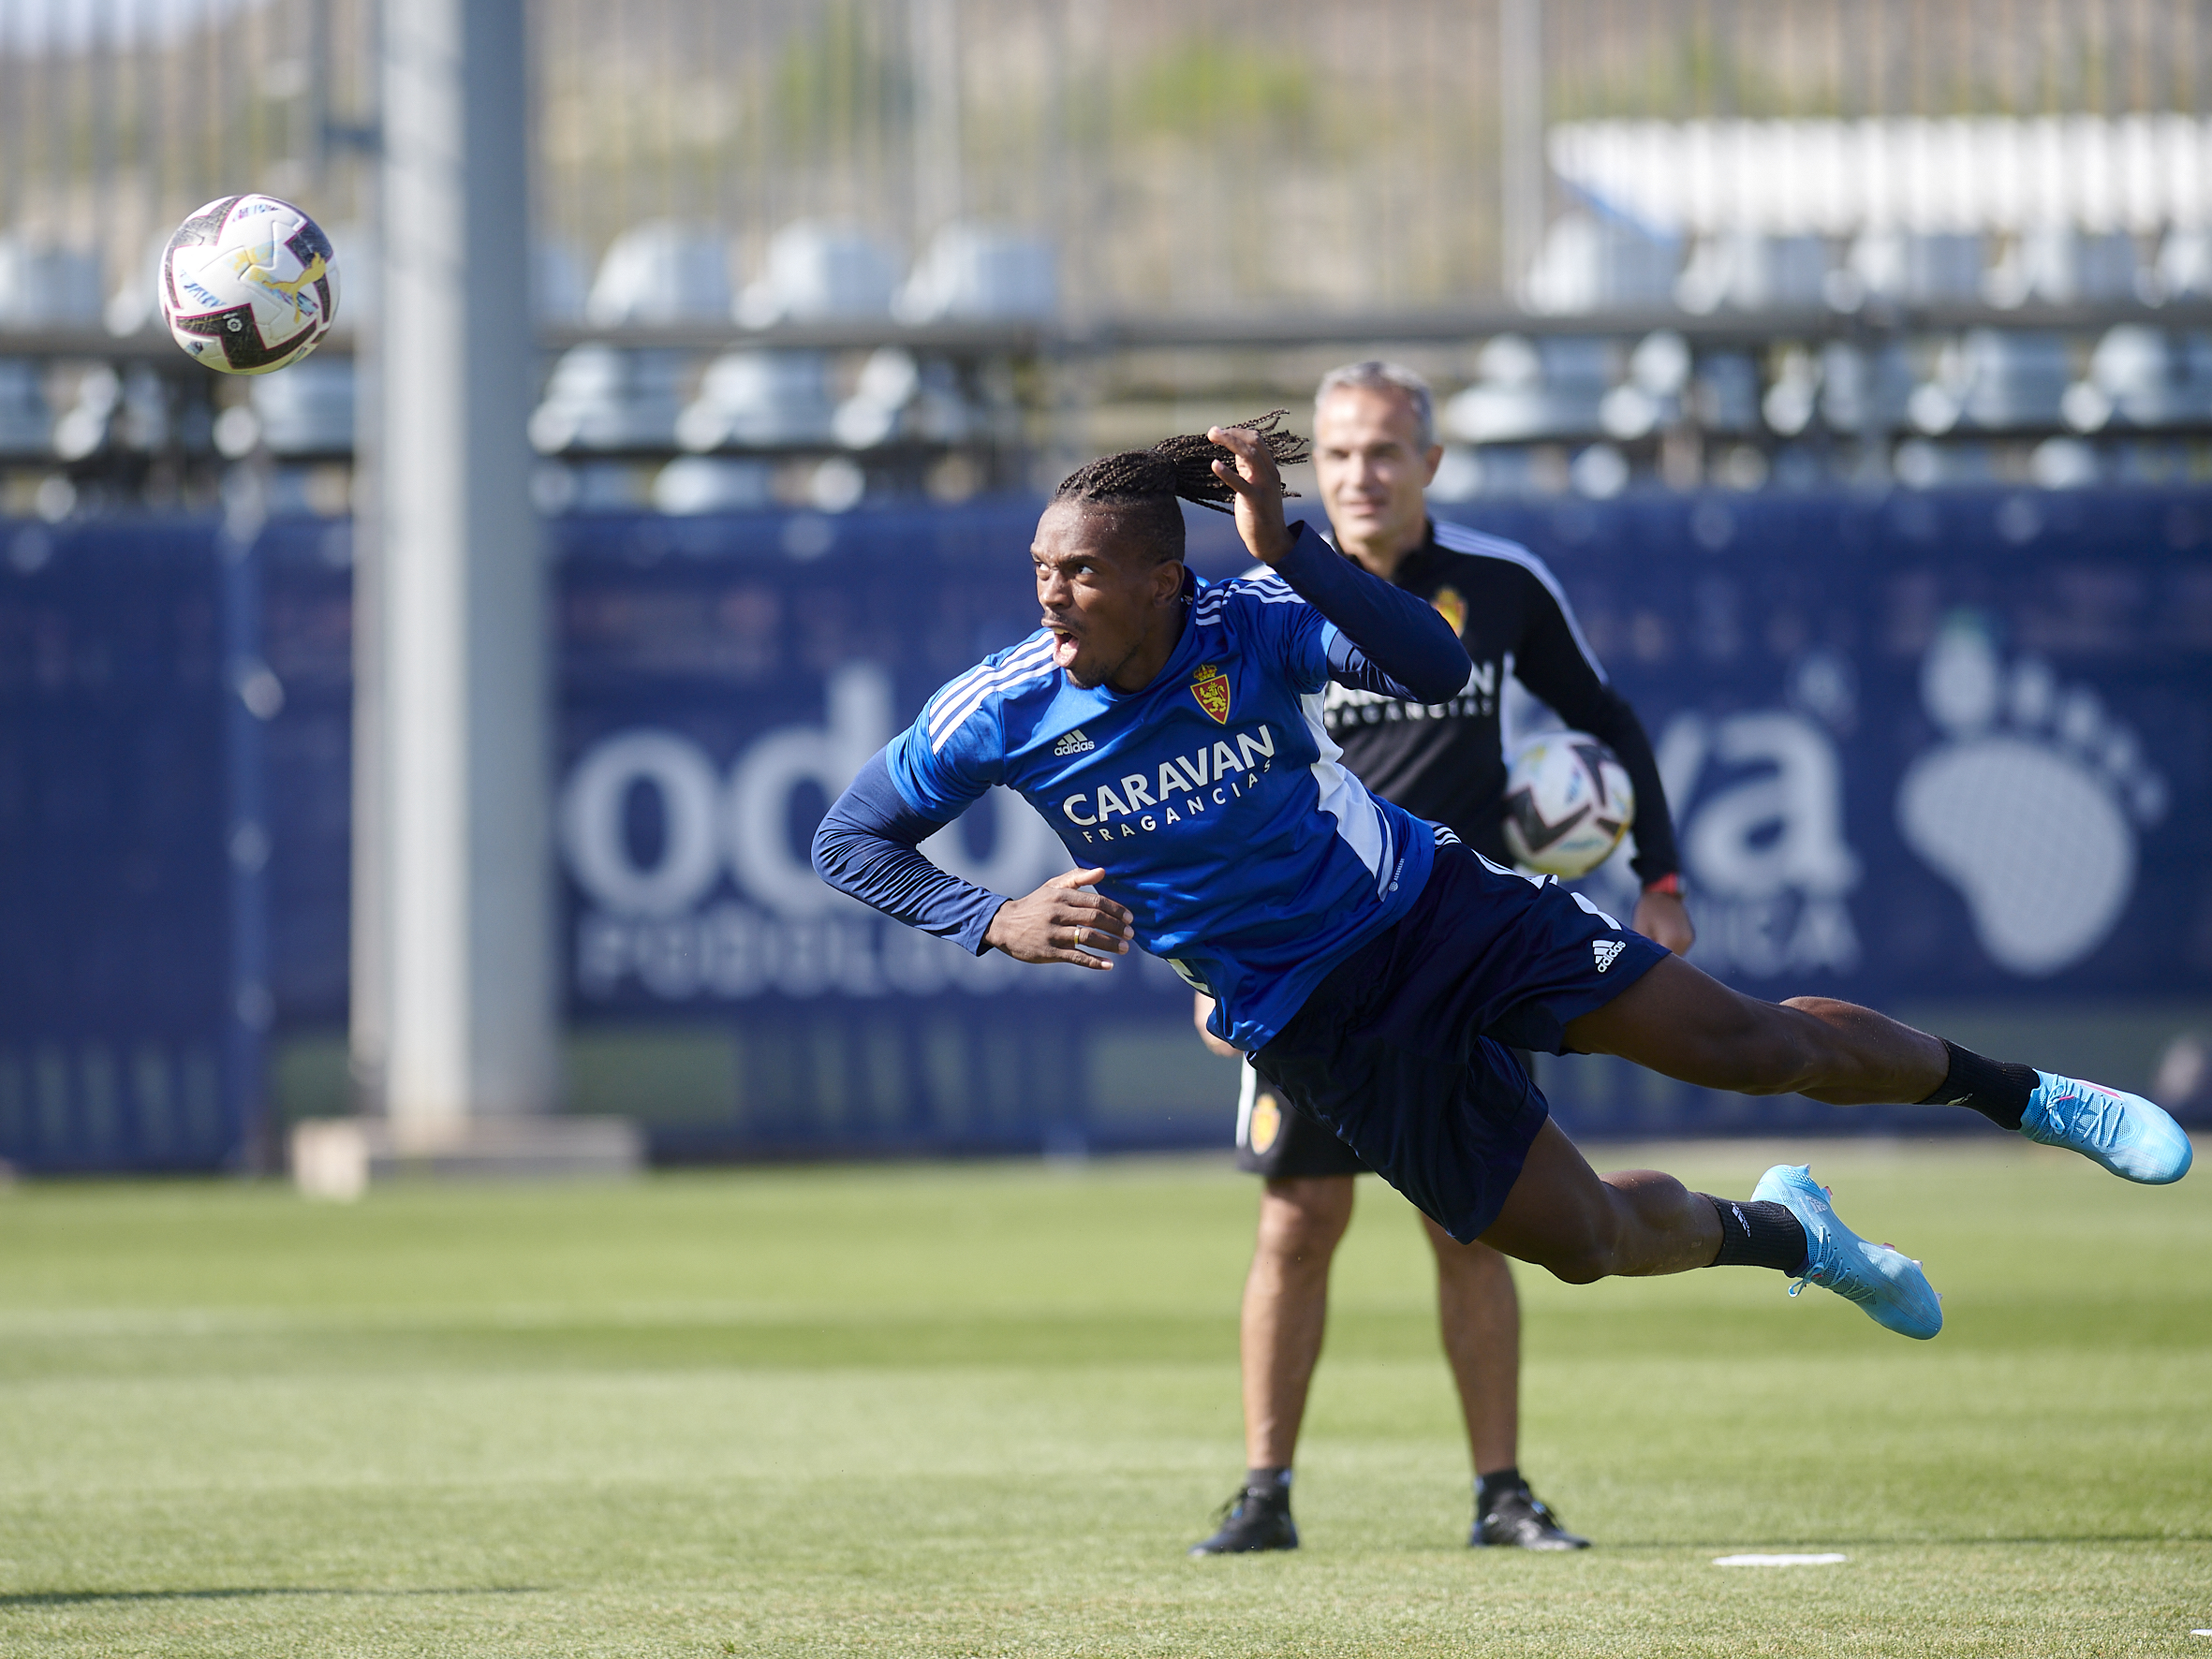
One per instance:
[(1568, 802), (248, 284)]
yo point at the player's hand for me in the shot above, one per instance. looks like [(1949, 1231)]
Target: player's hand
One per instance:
[(1059, 922), (1202, 1011), (1259, 486), (1664, 919)]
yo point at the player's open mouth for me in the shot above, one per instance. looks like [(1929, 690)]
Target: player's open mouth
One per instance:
[(1066, 646)]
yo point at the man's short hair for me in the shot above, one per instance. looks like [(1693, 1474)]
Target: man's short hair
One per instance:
[(1375, 375)]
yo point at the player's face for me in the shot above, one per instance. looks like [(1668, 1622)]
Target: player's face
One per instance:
[(1105, 603), (1371, 473)]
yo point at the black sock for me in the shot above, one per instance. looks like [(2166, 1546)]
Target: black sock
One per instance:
[(1757, 1235), (1997, 1089), (1491, 1486), (1269, 1483)]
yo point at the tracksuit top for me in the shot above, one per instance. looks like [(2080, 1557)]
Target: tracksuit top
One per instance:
[(1445, 761)]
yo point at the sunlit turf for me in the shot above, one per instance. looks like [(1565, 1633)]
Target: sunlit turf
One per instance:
[(983, 1409)]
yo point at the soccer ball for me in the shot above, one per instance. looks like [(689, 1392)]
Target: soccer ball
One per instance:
[(248, 284), (1568, 802)]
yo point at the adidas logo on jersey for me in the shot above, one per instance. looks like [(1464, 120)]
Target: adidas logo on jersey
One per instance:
[(1073, 744), (1606, 951)]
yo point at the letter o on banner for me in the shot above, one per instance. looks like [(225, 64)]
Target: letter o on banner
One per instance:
[(591, 823)]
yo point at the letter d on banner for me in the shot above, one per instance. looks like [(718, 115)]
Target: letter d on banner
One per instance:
[(761, 851)]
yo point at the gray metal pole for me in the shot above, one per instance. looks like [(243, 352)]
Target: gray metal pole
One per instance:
[(469, 995), (369, 944), (932, 29), (1520, 113), (253, 699)]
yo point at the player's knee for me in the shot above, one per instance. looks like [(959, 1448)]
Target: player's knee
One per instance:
[(1585, 1266), (1586, 1253), (1303, 1219)]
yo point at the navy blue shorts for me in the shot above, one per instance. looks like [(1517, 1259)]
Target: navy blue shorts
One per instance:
[(1405, 1050)]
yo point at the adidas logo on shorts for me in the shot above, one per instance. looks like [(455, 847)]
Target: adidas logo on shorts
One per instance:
[(1073, 744), (1605, 950)]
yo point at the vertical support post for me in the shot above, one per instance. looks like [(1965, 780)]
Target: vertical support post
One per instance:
[(464, 693), (369, 934), (251, 698), (1519, 113), (933, 28)]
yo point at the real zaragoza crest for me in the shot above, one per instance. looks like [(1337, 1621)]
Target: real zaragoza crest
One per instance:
[(1211, 687), (1267, 1122), (1452, 607)]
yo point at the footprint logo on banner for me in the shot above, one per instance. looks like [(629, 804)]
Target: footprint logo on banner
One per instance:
[(2030, 806)]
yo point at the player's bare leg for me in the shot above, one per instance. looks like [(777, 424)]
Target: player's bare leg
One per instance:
[(1480, 1315), (1679, 1021), (1286, 1308), (1676, 1021), (1286, 1311), (1563, 1217), (1683, 1023), (1479, 1312)]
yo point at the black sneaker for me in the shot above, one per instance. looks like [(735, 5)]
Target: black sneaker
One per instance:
[(1519, 1519), (1252, 1520)]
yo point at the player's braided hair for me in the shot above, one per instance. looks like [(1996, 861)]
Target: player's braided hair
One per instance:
[(1141, 487)]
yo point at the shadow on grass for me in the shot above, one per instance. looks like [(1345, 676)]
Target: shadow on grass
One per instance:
[(1936, 1542), (58, 1598)]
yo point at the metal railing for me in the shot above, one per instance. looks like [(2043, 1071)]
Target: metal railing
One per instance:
[(1196, 160), (947, 243)]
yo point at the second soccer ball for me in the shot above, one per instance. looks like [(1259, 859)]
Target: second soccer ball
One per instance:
[(1568, 802)]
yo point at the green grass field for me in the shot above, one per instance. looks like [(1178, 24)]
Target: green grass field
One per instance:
[(983, 1409)]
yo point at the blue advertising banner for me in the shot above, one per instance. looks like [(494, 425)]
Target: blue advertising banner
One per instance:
[(722, 680), (1922, 747), (1922, 750), (116, 1019), (1949, 754)]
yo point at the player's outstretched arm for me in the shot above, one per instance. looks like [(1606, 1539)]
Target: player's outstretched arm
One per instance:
[(868, 845), (1060, 923), (1389, 642)]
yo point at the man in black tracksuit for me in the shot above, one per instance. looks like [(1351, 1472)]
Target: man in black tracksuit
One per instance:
[(1375, 453)]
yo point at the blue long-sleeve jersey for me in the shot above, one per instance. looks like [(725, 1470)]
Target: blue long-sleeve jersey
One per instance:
[(1212, 798)]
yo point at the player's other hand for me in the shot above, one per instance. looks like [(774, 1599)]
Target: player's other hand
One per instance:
[(1664, 919), (1202, 1011), (1259, 486), (1060, 923)]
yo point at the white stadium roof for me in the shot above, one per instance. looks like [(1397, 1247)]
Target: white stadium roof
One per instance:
[(2094, 173)]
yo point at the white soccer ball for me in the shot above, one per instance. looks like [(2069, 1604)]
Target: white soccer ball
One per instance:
[(1568, 802), (248, 284)]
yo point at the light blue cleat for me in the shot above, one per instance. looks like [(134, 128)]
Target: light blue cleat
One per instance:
[(1888, 1286), (2126, 1134)]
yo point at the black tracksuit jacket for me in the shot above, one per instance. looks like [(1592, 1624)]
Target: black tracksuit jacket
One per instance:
[(1445, 761)]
